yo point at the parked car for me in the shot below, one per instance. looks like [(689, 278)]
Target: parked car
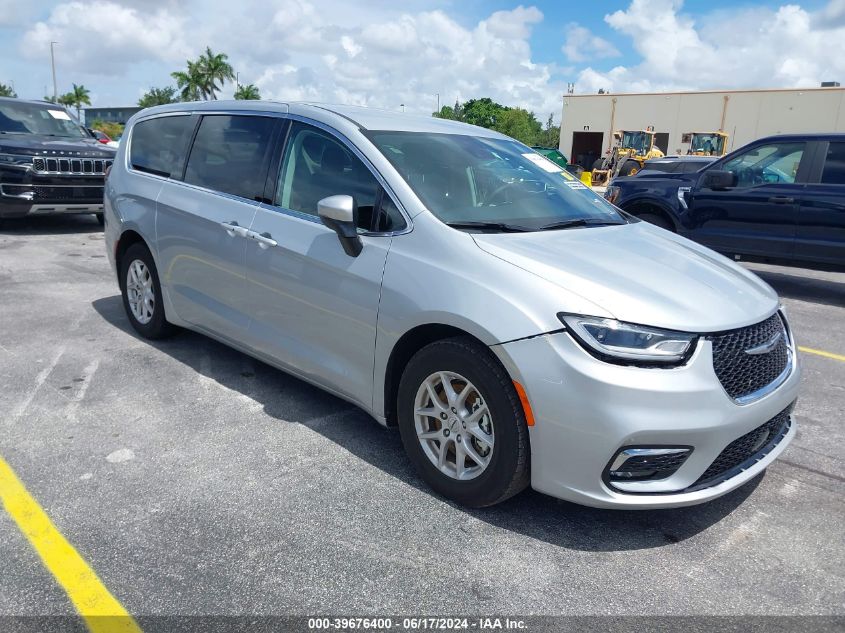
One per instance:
[(779, 199), (516, 329), (101, 136), (48, 162), (673, 165)]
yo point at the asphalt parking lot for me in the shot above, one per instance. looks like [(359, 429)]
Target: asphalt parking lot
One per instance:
[(195, 480)]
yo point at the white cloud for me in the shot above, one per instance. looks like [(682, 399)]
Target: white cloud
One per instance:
[(581, 44), (103, 37), (754, 47)]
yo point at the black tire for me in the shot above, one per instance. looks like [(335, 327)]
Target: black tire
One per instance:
[(656, 220), (508, 470), (100, 218), (629, 168), (157, 327), (597, 164)]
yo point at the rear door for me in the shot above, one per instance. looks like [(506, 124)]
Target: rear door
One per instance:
[(757, 216), (204, 216), (821, 224), (314, 307)]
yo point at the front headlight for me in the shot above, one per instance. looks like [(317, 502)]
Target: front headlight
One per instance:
[(619, 342), (15, 160)]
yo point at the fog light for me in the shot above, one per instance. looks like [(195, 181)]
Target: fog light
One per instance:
[(646, 464)]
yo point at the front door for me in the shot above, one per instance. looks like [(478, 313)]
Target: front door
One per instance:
[(758, 215), (314, 308), (203, 221)]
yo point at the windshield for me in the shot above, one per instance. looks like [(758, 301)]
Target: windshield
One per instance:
[(35, 118), (640, 141), (468, 179), (707, 143)]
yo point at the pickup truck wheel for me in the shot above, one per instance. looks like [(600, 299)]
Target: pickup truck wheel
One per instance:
[(656, 220)]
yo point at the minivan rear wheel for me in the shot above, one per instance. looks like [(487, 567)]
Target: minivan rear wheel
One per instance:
[(462, 423), (141, 292)]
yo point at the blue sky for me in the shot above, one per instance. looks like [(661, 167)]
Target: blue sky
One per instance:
[(383, 53)]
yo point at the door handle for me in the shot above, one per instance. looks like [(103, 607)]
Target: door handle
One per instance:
[(265, 240), (781, 200), (233, 229)]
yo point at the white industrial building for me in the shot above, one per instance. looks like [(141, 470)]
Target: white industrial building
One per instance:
[(588, 121)]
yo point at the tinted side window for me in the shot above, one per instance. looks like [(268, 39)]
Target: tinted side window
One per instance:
[(834, 165), (231, 154), (315, 166), (158, 145), (766, 164)]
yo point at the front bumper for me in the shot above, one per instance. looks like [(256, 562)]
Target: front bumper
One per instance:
[(23, 199), (586, 410)]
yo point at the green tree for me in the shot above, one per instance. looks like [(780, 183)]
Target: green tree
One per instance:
[(7, 91), (50, 99), (215, 67), (484, 112), (519, 124), (247, 92), (65, 99), (158, 96), (79, 96), (191, 82), (551, 133)]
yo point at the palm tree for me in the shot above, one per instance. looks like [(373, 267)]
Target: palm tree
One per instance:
[(191, 82), (250, 91), (65, 99), (215, 67), (7, 91), (79, 96)]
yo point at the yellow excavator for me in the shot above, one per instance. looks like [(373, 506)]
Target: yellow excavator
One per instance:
[(631, 148), (708, 144)]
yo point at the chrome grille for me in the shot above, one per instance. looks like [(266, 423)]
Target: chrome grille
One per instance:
[(742, 373), (71, 166)]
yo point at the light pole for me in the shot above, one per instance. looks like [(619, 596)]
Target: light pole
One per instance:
[(402, 105), (438, 102), (53, 63)]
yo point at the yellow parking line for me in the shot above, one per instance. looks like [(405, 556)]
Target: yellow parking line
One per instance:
[(821, 352), (101, 612)]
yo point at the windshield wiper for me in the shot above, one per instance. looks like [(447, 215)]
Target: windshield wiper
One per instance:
[(568, 224), (495, 226)]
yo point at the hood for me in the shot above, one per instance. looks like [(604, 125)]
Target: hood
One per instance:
[(641, 274), (34, 144)]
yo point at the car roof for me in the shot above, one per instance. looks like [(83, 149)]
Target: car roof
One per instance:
[(336, 115)]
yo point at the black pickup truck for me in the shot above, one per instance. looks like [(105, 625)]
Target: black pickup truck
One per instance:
[(779, 199), (49, 163)]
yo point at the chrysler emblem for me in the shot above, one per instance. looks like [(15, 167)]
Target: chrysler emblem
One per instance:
[(766, 347)]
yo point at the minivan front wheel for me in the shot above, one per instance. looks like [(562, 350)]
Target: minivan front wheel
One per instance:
[(141, 292), (462, 423)]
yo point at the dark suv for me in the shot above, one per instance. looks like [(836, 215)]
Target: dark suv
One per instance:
[(48, 162), (779, 199)]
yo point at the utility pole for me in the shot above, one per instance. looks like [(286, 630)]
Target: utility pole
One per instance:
[(438, 102), (53, 63), (402, 105)]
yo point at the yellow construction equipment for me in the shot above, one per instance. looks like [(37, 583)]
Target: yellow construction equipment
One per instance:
[(631, 148), (708, 143)]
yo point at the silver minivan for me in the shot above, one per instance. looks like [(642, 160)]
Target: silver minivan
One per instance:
[(447, 279)]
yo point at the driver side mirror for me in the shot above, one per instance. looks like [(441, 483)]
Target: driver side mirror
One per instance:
[(716, 179), (340, 214)]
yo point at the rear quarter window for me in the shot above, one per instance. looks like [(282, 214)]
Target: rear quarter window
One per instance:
[(834, 165), (158, 145)]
